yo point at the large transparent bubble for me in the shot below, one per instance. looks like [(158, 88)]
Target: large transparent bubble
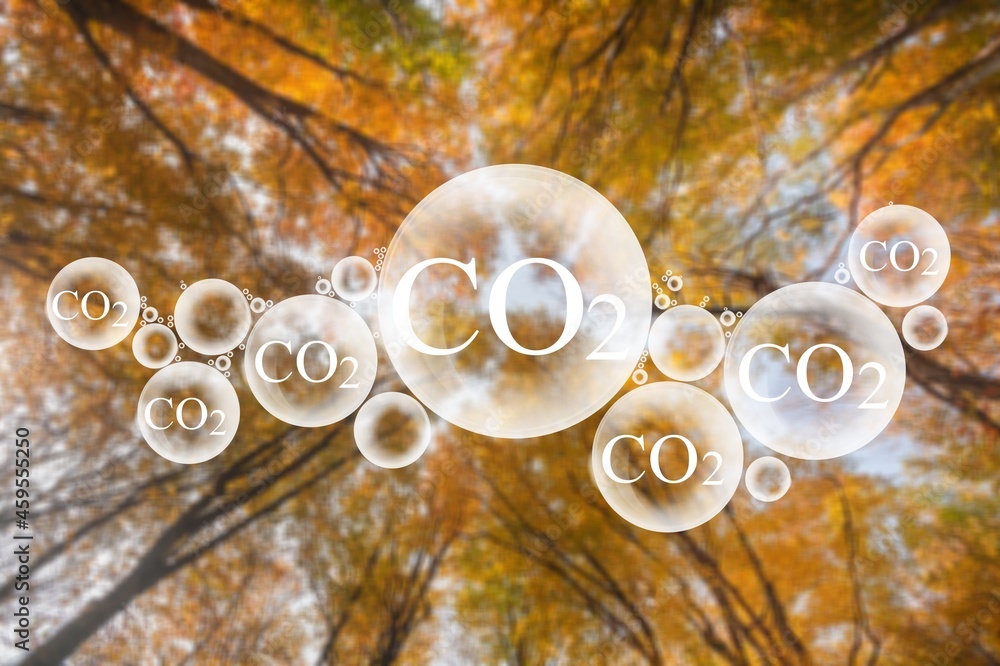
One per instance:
[(514, 301), (212, 316), (925, 328), (686, 343), (667, 457), (392, 430), (310, 360), (188, 413), (814, 371), (353, 278), (154, 345), (899, 255), (93, 303)]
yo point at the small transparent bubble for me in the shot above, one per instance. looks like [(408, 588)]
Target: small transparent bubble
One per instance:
[(727, 318), (675, 283), (392, 430), (686, 343), (925, 328), (154, 345), (212, 316), (768, 479), (323, 286), (640, 377)]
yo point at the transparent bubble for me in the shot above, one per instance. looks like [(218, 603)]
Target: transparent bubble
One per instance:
[(354, 278), (686, 343), (392, 430), (925, 328), (188, 413), (212, 316), (497, 217), (93, 303), (899, 256), (667, 457), (310, 361), (768, 479), (154, 346), (835, 401)]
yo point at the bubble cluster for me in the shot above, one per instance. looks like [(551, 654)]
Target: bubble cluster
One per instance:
[(188, 413), (354, 278), (667, 457), (323, 287), (814, 371), (212, 316), (768, 479), (640, 376), (899, 255), (686, 343), (154, 346), (392, 430), (925, 328), (310, 361), (93, 303), (483, 223), (842, 275)]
